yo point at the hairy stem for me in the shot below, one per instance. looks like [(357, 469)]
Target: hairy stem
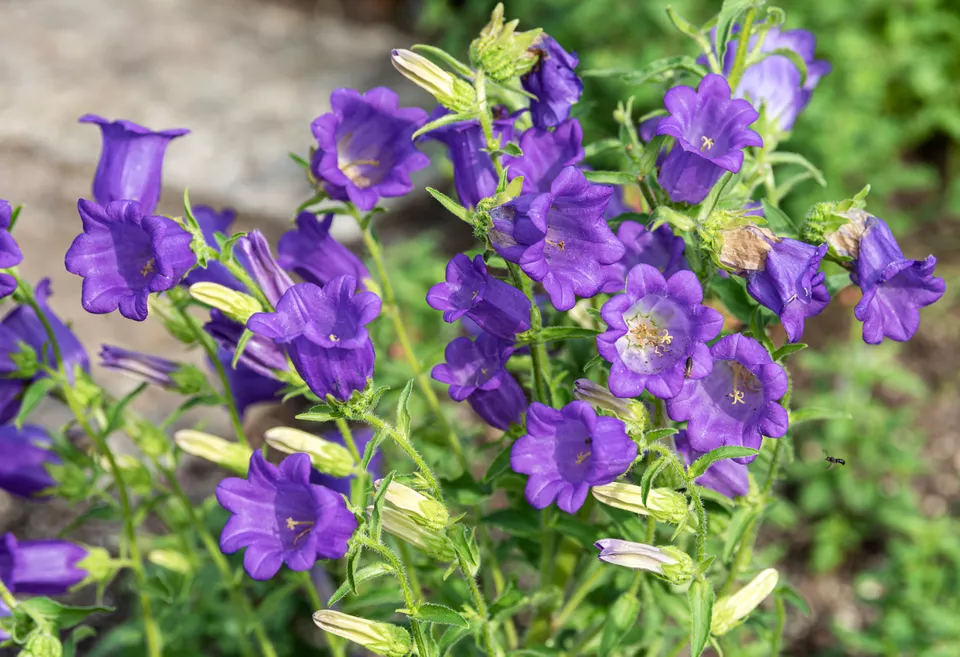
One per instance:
[(409, 599), (404, 444)]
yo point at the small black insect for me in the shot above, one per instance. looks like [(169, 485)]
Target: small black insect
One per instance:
[(688, 368), (833, 461), (588, 440)]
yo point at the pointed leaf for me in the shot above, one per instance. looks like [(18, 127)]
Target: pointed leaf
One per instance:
[(319, 413), (443, 56), (443, 121), (403, 415), (452, 206), (367, 572), (778, 221), (700, 597), (786, 157), (788, 350), (650, 475), (32, 396), (610, 177), (430, 612), (376, 514), (698, 467), (371, 449)]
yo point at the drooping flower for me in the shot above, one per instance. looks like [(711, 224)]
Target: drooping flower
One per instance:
[(131, 162), (324, 332), (10, 254), (659, 248), (669, 563), (791, 283), (47, 567), (212, 222), (559, 238), (711, 132), (726, 476), (736, 403), (553, 81), (311, 252), (261, 354), (473, 365), (657, 333), (123, 256), (364, 148), (497, 307), (474, 175), (567, 451), (894, 287), (502, 406), (254, 253), (26, 452), (361, 436), (281, 518), (154, 369), (545, 154)]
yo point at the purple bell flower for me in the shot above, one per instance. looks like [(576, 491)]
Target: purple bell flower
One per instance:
[(254, 253), (553, 81), (364, 147), (568, 451), (25, 452), (474, 175), (131, 162), (710, 131), (501, 407), (648, 129), (154, 369), (311, 252), (212, 222), (41, 567), (10, 255), (545, 154), (790, 284), (496, 307), (262, 355), (123, 256), (894, 287), (342, 484), (472, 366), (559, 238), (657, 333), (659, 248), (281, 518), (736, 403), (727, 477), (248, 386), (325, 335)]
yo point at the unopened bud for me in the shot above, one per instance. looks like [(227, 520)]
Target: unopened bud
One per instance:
[(662, 504), (844, 241), (730, 610), (422, 509), (41, 644), (99, 566), (381, 638), (629, 410), (231, 456), (25, 361), (669, 563), (432, 543), (327, 457), (171, 560), (451, 92), (235, 305)]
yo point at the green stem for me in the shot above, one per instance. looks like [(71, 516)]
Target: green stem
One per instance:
[(409, 599), (489, 639), (486, 120), (538, 352), (740, 59), (337, 645), (358, 486), (498, 583), (409, 450), (579, 594), (7, 597), (701, 520)]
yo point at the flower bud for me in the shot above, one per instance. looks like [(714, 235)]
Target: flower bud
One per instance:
[(235, 305), (432, 543), (422, 509), (25, 361), (41, 644), (149, 438), (172, 560), (730, 610), (135, 474), (451, 92), (502, 52), (662, 504), (629, 410), (327, 457), (840, 225), (668, 563), (380, 638), (99, 566), (231, 456)]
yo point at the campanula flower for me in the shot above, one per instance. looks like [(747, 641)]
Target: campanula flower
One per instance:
[(474, 175), (669, 563), (656, 333), (212, 222), (894, 287), (502, 406), (659, 248), (281, 518), (131, 162), (26, 452), (254, 254), (49, 567), (311, 252), (545, 154), (559, 238), (711, 132), (364, 148), (567, 451), (726, 476), (791, 283), (736, 403), (553, 81), (123, 256), (10, 255), (473, 365), (261, 354), (361, 436), (496, 307)]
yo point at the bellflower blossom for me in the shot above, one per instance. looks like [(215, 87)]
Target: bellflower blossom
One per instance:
[(158, 371), (545, 154), (657, 333), (473, 365), (553, 81), (212, 222), (123, 256), (568, 451), (710, 131), (49, 567), (261, 354), (311, 252), (26, 452), (324, 332), (659, 248), (726, 476), (502, 406), (790, 283), (559, 238), (364, 148), (736, 403), (342, 484), (894, 287), (281, 518), (497, 307), (254, 253), (10, 255), (131, 162)]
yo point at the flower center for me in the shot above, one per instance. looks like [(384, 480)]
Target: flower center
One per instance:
[(706, 143), (333, 337), (743, 380), (352, 170), (582, 456), (644, 333), (147, 268), (560, 245), (293, 524)]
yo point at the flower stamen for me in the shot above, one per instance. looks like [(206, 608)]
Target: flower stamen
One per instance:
[(292, 525), (742, 377), (560, 245), (707, 143), (333, 337), (582, 456), (147, 268), (646, 334)]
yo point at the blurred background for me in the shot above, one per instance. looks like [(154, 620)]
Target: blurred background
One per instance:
[(873, 547)]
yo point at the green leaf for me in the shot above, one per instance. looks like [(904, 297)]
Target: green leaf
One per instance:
[(443, 121), (371, 449), (499, 465), (700, 597), (353, 563), (32, 396), (733, 293), (403, 415), (786, 157), (115, 412), (301, 162), (367, 572), (778, 221), (241, 345), (610, 177), (444, 57), (739, 523), (689, 29), (50, 613), (464, 543), (730, 10), (648, 160), (517, 522), (758, 329), (664, 215), (376, 514), (450, 638), (658, 434), (837, 282), (698, 467), (812, 413), (668, 66), (80, 633), (601, 146), (708, 204), (650, 475), (556, 333), (430, 612), (621, 618), (319, 413), (512, 149), (791, 595), (788, 350), (508, 602), (452, 206)]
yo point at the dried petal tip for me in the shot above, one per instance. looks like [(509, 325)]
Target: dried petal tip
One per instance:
[(668, 563), (327, 457), (235, 305), (232, 456), (451, 92), (421, 508), (730, 610), (381, 638), (663, 504)]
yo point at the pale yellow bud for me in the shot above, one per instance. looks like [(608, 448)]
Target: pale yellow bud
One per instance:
[(451, 92), (235, 305), (232, 456), (327, 457), (381, 638), (432, 543), (662, 504), (422, 509), (171, 560), (731, 609)]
